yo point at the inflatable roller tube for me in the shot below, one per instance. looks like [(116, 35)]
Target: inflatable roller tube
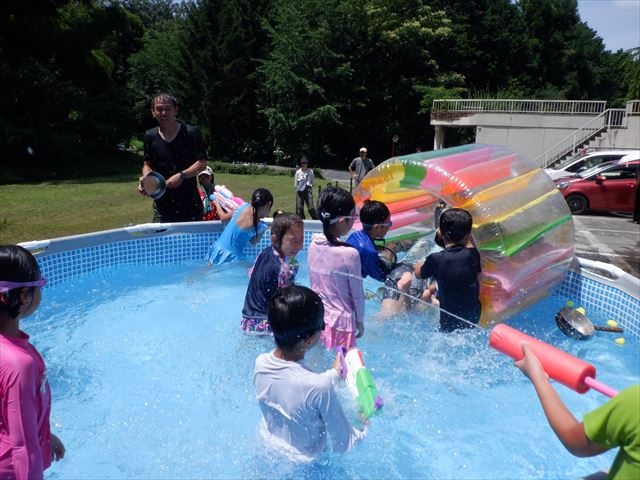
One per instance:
[(559, 365)]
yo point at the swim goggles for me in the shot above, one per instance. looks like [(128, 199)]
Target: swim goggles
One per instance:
[(300, 334), (388, 224), (346, 217), (6, 286)]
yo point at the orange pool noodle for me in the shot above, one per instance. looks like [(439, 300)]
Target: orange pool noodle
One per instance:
[(559, 365)]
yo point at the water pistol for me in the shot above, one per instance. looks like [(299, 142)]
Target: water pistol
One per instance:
[(225, 198), (360, 381)]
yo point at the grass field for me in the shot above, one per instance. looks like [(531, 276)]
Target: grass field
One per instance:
[(47, 210)]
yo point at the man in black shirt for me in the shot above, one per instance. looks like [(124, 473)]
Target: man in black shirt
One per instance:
[(178, 153)]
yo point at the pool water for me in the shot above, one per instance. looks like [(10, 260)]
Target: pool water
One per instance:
[(152, 378)]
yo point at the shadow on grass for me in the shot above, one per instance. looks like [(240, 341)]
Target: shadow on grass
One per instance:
[(118, 166)]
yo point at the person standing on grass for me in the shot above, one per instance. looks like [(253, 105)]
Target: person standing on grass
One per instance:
[(360, 166), (303, 181), (178, 153), (212, 209)]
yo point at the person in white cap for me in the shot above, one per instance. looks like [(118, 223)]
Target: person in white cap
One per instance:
[(212, 209), (360, 166)]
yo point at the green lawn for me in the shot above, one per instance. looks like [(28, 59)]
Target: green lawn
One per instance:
[(56, 209)]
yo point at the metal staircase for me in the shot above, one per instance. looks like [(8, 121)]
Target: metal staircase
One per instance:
[(588, 134)]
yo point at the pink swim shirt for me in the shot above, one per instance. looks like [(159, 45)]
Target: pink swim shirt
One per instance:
[(25, 405)]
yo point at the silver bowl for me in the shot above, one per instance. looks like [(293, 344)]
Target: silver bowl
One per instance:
[(154, 184)]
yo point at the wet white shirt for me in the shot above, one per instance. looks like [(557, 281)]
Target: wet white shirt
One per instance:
[(300, 407)]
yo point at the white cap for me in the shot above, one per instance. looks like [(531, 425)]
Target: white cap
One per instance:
[(363, 150), (206, 171)]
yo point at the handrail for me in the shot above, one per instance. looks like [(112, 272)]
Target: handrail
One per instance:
[(633, 107), (613, 117), (519, 106)]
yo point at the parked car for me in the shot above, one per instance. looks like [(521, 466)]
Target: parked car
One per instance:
[(586, 161), (609, 187)]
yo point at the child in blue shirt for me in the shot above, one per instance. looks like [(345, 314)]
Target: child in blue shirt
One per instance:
[(245, 226), (402, 288), (275, 267)]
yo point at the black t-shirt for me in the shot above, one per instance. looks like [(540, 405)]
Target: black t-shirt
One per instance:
[(456, 270), (180, 204)]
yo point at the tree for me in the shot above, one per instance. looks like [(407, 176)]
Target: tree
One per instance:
[(486, 44), (218, 82), (64, 88), (566, 59), (340, 75), (155, 67), (305, 77)]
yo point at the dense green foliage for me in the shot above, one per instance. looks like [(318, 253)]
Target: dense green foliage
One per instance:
[(271, 80)]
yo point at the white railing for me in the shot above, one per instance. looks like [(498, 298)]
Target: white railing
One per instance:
[(614, 117), (633, 106), (519, 106)]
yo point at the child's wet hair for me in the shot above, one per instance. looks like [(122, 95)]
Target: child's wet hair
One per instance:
[(260, 198), (455, 225), (295, 313), (282, 223), (373, 212), (334, 202), (17, 264)]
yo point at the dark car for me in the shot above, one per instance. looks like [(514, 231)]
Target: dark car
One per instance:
[(609, 187)]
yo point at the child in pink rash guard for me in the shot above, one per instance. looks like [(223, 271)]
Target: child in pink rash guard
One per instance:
[(335, 272), (27, 446)]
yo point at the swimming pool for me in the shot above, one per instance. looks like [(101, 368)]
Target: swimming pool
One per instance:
[(151, 374)]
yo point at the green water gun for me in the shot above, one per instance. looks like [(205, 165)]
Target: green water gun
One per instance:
[(360, 381)]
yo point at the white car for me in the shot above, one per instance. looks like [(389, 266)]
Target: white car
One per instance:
[(588, 160)]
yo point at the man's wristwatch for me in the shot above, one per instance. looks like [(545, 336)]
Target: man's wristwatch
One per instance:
[(183, 176)]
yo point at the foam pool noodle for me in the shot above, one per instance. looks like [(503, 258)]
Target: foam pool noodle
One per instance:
[(360, 382), (572, 372)]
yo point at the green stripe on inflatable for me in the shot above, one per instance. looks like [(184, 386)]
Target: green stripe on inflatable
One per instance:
[(517, 242), (414, 173)]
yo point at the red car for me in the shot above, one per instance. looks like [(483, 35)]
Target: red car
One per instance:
[(609, 187)]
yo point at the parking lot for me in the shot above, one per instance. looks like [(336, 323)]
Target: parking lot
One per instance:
[(610, 239)]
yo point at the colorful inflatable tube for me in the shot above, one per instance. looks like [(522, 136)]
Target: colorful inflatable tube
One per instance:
[(522, 225)]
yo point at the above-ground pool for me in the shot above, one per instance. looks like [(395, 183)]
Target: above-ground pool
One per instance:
[(151, 374)]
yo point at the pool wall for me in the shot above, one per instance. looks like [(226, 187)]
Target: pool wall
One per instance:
[(594, 285)]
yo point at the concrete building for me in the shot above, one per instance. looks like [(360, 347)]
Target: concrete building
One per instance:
[(542, 130)]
